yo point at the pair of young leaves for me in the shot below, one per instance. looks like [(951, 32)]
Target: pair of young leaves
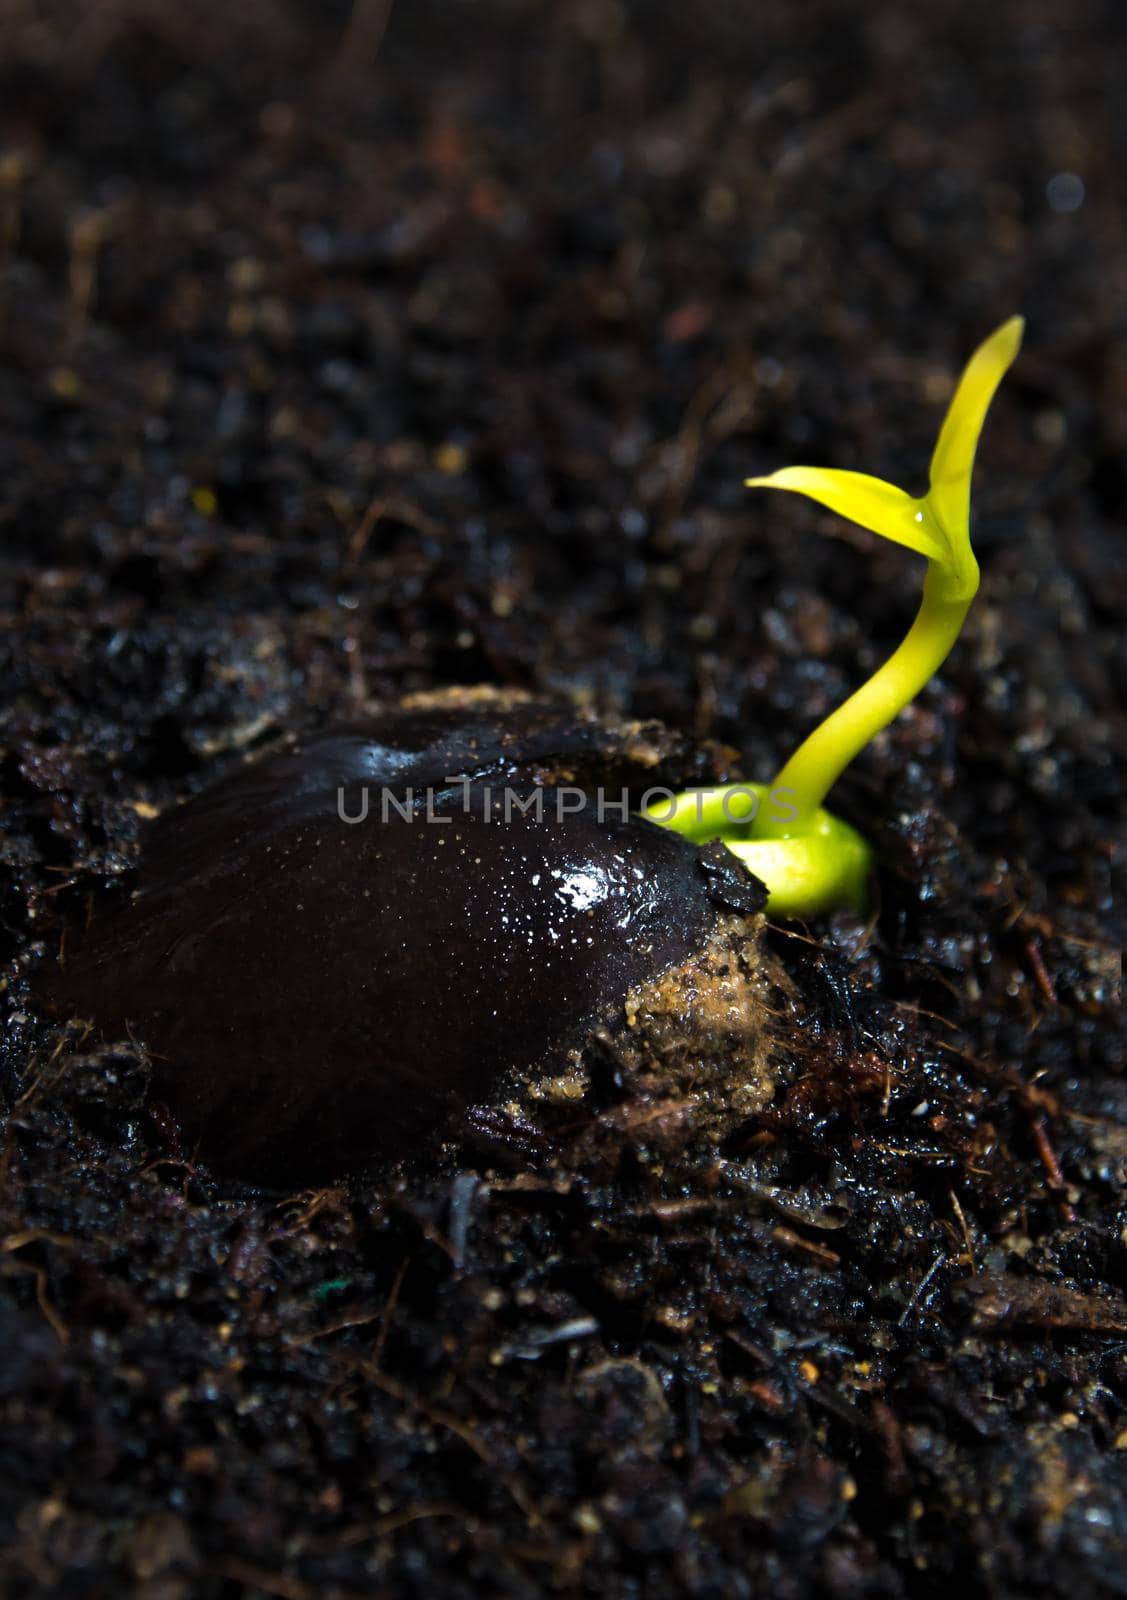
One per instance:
[(937, 524)]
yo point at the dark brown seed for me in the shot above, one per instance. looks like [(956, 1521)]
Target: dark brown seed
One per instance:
[(319, 994)]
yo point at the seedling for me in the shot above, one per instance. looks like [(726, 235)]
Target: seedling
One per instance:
[(810, 860)]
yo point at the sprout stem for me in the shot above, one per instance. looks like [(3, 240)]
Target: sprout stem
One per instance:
[(819, 761)]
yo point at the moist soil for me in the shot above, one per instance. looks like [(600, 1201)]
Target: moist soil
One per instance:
[(341, 363)]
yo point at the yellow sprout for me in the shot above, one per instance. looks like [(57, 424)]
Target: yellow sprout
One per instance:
[(830, 861)]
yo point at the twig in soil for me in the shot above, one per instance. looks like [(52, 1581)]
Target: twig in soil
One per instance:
[(364, 1533), (940, 1157), (402, 1519), (389, 1309), (795, 1241), (382, 1316), (921, 1011), (921, 1288), (279, 1584), (790, 931), (380, 507), (961, 1215), (461, 1430), (628, 1121), (886, 1090), (17, 1241), (336, 1327), (1040, 972), (1040, 1130), (677, 1210), (316, 1202)]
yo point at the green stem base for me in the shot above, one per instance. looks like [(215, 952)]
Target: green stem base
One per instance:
[(825, 868)]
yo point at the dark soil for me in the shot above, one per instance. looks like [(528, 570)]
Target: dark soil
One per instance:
[(334, 369)]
